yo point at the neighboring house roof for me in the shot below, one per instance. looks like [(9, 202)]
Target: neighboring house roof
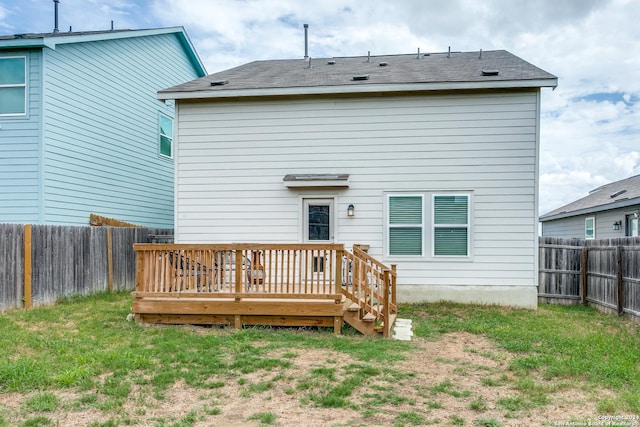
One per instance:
[(50, 40), (614, 195), (362, 74)]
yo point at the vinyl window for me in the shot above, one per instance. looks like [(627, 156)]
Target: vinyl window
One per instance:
[(13, 86), (166, 136), (590, 228), (405, 225), (451, 225)]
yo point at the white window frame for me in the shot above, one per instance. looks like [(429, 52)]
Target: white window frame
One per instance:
[(22, 85), (629, 219), (161, 135), (389, 226), (434, 225), (593, 227)]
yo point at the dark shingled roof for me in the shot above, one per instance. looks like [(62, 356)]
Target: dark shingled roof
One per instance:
[(614, 195), (59, 34), (435, 68)]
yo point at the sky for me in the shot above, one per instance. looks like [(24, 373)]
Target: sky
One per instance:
[(590, 124)]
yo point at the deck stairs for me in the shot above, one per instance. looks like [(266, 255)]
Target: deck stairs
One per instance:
[(369, 291)]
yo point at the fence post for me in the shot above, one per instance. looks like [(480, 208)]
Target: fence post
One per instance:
[(27, 266), (619, 282), (584, 277), (109, 260)]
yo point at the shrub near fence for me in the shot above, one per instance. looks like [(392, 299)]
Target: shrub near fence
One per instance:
[(66, 260), (604, 273)]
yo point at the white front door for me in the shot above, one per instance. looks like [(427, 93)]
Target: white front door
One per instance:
[(318, 220)]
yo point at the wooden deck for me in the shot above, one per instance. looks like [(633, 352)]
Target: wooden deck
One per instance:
[(264, 284)]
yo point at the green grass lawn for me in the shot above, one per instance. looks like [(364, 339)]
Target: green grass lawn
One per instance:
[(84, 347)]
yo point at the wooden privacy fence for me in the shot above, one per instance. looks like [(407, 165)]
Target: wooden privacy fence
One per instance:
[(39, 264), (604, 273)]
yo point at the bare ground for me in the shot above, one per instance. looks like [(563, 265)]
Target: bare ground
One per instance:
[(456, 380)]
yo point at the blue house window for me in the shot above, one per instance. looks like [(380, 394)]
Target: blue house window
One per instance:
[(166, 136), (13, 86)]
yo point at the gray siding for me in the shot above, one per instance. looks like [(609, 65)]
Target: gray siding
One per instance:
[(101, 129), (573, 227), (232, 158), (20, 151)]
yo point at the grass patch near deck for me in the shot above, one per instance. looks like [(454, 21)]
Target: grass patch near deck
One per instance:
[(83, 356)]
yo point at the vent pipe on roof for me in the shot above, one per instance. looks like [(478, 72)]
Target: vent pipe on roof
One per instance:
[(480, 57), (112, 25), (306, 41), (368, 56), (449, 54), (55, 16), (418, 53)]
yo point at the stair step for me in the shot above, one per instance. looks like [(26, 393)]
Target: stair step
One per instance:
[(402, 330), (354, 307), (368, 317)]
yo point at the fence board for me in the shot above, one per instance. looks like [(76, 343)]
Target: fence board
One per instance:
[(67, 260), (11, 265)]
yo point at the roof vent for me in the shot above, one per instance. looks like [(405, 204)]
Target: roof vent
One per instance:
[(383, 64), (362, 77), (331, 62), (55, 16), (219, 82), (617, 193), (490, 72)]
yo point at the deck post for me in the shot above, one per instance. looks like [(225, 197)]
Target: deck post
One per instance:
[(140, 269), (337, 325), (338, 279), (385, 310), (238, 262), (394, 277)]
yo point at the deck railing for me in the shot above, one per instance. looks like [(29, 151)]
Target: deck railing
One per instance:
[(242, 272), (264, 270), (371, 285)]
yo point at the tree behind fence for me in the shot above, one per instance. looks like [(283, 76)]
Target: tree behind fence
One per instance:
[(604, 273), (68, 260)]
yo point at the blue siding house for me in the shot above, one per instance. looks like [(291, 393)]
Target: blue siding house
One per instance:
[(81, 128)]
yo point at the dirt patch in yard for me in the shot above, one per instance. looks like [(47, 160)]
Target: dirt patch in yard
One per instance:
[(460, 379)]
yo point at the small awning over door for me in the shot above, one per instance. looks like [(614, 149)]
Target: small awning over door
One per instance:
[(316, 180)]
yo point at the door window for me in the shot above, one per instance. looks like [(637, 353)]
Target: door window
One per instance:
[(318, 215)]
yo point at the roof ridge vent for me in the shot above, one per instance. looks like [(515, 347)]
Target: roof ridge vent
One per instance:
[(331, 62), (490, 72), (383, 64), (617, 193), (219, 82), (361, 77)]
